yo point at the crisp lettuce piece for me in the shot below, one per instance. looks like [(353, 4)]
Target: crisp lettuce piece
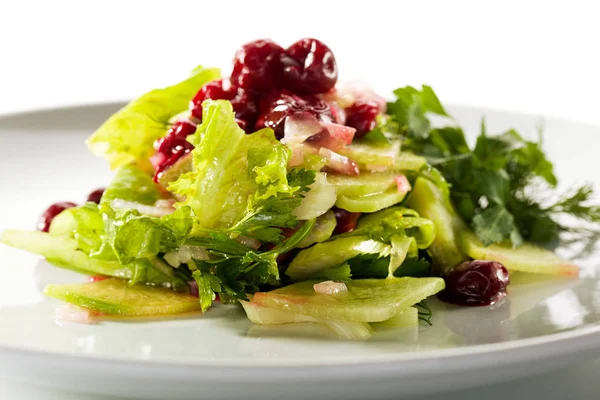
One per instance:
[(230, 168), (130, 184), (136, 236), (128, 135)]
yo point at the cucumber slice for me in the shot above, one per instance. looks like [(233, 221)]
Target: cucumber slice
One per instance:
[(409, 162), (62, 251), (318, 200), (525, 258), (363, 184), (405, 318), (63, 224), (370, 203), (367, 300), (322, 231), (114, 297), (429, 201), (366, 153), (310, 262), (262, 315)]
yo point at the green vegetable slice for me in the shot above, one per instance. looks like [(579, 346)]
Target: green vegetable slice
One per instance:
[(260, 314), (367, 300), (370, 203), (363, 184), (115, 297), (322, 231), (310, 262), (405, 318), (430, 202), (525, 258)]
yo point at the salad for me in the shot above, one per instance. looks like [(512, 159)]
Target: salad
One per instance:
[(304, 199)]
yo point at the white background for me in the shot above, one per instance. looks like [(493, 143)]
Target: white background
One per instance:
[(538, 57)]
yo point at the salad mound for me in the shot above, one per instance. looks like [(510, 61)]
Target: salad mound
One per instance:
[(305, 200)]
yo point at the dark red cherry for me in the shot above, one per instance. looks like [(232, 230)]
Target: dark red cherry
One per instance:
[(346, 220), (281, 104), (51, 212), (257, 66), (362, 116), (220, 89), (476, 283), (309, 67), (96, 196)]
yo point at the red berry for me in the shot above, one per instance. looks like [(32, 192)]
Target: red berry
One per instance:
[(96, 195), (362, 116), (51, 212), (281, 104), (476, 283), (172, 147), (220, 89), (256, 65), (309, 67), (243, 102), (346, 220)]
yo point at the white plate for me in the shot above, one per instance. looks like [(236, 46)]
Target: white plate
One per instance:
[(541, 325)]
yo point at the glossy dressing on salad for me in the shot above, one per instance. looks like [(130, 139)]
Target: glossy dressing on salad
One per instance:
[(302, 199)]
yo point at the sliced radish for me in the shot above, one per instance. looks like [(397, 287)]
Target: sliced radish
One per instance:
[(338, 162)]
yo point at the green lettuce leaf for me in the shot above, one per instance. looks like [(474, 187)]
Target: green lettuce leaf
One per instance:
[(130, 184), (237, 177), (128, 136)]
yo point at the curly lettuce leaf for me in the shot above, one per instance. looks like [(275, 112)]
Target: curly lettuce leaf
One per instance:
[(131, 184), (233, 174), (128, 136)]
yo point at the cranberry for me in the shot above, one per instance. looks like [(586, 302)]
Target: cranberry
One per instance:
[(362, 116), (257, 65), (281, 104), (51, 212), (172, 147), (309, 67), (220, 89), (243, 103), (476, 283), (346, 220), (96, 195)]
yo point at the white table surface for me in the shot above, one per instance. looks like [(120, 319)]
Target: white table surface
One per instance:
[(539, 57)]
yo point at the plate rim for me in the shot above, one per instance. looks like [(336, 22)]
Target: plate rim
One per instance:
[(576, 341)]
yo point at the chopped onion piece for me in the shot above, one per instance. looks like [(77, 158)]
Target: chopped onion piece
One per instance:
[(403, 184), (153, 211), (185, 254), (71, 313), (248, 242), (342, 132), (330, 287), (299, 127), (339, 163)]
